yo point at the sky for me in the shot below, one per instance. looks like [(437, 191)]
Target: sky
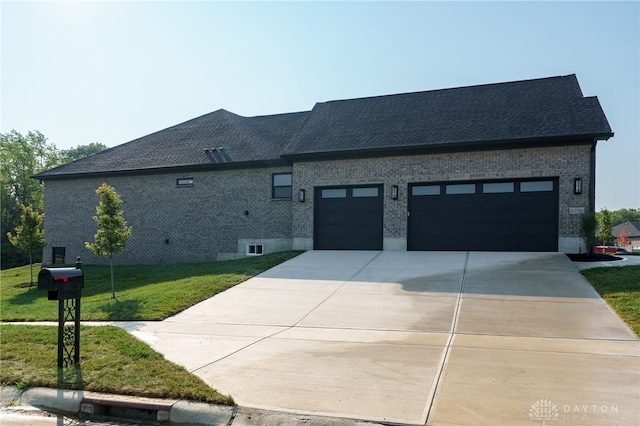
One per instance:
[(112, 71)]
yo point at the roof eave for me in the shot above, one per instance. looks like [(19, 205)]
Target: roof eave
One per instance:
[(256, 164), (466, 146)]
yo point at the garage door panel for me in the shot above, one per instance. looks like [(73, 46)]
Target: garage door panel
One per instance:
[(348, 218), (508, 216), (497, 230)]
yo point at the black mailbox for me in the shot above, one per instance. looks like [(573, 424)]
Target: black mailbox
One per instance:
[(61, 283)]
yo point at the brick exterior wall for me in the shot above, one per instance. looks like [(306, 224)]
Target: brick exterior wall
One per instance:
[(172, 224), (566, 163), (207, 222)]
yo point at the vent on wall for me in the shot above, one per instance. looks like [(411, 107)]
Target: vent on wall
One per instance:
[(255, 249)]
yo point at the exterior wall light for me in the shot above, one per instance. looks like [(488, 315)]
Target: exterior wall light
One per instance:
[(301, 195), (577, 186), (394, 192)]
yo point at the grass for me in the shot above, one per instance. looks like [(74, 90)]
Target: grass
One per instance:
[(620, 287), (142, 292), (111, 361)]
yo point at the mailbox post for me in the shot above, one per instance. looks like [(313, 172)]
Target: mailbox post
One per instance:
[(65, 285)]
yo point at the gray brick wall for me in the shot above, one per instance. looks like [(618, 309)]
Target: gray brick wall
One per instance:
[(200, 223), (208, 222), (566, 163)]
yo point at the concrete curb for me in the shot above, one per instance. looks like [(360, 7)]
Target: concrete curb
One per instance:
[(79, 403)]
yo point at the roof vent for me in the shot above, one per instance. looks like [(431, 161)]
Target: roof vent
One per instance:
[(218, 155)]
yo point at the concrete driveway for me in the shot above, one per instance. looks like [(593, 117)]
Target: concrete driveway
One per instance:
[(443, 338)]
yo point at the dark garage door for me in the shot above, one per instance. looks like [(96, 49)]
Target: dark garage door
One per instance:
[(515, 215), (348, 218)]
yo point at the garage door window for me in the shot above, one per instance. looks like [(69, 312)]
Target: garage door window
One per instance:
[(334, 193), (365, 192), (465, 188), (498, 188), (537, 186), (425, 190)]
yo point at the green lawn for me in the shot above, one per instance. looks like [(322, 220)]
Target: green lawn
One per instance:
[(620, 287), (142, 292), (111, 361)]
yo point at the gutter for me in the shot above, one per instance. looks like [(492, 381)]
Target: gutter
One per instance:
[(256, 164)]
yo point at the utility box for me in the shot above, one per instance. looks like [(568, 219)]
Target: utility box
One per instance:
[(61, 283)]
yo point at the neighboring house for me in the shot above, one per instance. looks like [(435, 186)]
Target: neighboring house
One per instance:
[(506, 167), (633, 231)]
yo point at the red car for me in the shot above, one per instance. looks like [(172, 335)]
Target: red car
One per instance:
[(606, 249)]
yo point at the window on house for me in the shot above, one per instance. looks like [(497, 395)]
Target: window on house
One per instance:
[(334, 193), (425, 190), (465, 188), (57, 255), (364, 192), (255, 249), (536, 186), (498, 187), (184, 182), (281, 185)]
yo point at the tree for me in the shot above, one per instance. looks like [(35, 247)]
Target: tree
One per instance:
[(29, 235), (623, 239), (588, 227), (604, 232), (82, 151), (113, 232), (21, 156), (624, 215)]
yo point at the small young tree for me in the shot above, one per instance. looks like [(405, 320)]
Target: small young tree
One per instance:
[(29, 235), (113, 232), (623, 239), (605, 232), (588, 227)]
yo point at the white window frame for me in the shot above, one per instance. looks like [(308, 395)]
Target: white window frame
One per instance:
[(255, 249)]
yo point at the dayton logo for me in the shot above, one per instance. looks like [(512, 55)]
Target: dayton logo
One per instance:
[(543, 410)]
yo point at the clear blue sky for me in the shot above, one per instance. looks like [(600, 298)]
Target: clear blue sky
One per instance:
[(110, 72)]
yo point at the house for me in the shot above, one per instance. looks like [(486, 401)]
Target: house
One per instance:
[(633, 232), (507, 166)]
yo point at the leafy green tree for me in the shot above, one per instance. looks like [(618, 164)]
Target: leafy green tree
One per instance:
[(624, 215), (82, 151), (21, 156), (604, 230), (29, 235), (113, 232)]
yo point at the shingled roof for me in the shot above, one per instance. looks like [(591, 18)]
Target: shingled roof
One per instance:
[(509, 114), (632, 227)]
